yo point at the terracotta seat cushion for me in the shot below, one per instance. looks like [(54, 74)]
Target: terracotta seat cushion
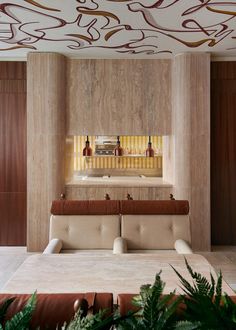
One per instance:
[(53, 310)]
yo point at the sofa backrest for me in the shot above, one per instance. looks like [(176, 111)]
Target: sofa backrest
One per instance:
[(85, 231), (85, 207), (180, 207), (144, 224), (151, 225), (85, 224), (151, 232)]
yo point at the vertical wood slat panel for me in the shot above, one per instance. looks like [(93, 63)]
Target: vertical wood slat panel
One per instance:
[(13, 142), (223, 153), (13, 218), (13, 153)]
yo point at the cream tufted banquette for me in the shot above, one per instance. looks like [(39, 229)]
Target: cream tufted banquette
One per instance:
[(83, 232), (134, 226), (151, 232), (150, 226), (83, 225)]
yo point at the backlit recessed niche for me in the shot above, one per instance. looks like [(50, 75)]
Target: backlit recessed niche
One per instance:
[(104, 162)]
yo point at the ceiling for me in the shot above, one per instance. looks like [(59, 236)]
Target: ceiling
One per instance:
[(117, 28)]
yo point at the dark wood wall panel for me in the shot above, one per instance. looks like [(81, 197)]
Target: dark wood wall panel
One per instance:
[(13, 153), (223, 153), (13, 218), (13, 70)]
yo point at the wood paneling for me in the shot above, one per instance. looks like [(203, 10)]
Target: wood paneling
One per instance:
[(13, 70), (13, 218), (93, 193), (191, 128), (13, 153), (118, 97), (223, 153), (45, 142), (13, 142)]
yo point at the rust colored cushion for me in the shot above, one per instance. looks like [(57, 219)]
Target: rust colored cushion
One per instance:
[(87, 207), (154, 207), (53, 310), (124, 301)]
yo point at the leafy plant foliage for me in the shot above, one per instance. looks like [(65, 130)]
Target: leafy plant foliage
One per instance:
[(20, 320), (202, 307), (206, 304), (155, 310)]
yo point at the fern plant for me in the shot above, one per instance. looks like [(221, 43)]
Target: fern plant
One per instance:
[(20, 320), (156, 312), (205, 303), (98, 321)]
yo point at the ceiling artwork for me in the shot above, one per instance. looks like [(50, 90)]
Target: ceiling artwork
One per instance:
[(117, 28)]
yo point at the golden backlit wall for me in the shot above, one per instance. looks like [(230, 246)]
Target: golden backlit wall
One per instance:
[(134, 151)]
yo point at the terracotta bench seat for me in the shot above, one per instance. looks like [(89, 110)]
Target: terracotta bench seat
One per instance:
[(53, 309)]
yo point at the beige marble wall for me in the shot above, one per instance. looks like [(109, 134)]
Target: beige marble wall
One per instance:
[(119, 97), (46, 81), (168, 158), (186, 153), (138, 193), (191, 128)]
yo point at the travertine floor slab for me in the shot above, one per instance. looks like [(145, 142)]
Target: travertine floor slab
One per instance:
[(102, 272), (10, 260)]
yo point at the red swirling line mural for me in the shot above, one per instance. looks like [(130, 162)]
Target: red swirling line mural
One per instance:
[(117, 26)]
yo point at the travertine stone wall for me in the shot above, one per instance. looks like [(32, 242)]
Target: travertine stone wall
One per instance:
[(138, 193), (119, 97), (191, 129), (46, 74), (142, 106)]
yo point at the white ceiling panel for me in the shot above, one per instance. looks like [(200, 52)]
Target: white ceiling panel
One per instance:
[(117, 28)]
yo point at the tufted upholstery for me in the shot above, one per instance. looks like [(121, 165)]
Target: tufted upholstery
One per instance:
[(152, 232), (85, 231), (132, 225)]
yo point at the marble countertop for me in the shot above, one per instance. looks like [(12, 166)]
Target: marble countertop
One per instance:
[(119, 181)]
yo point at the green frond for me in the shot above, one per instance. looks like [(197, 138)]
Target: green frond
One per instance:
[(21, 320), (4, 307), (187, 287), (187, 325), (218, 289), (212, 289), (168, 312)]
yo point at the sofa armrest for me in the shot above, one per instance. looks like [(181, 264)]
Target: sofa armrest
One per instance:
[(182, 247), (119, 245), (54, 246)]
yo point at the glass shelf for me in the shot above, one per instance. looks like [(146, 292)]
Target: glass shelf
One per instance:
[(124, 156)]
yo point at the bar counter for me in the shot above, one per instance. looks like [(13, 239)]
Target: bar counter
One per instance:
[(119, 181)]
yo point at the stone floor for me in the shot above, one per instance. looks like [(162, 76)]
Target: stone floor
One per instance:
[(221, 258), (224, 258)]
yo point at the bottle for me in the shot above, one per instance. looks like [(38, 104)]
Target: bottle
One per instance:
[(118, 151), (87, 151), (149, 150)]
